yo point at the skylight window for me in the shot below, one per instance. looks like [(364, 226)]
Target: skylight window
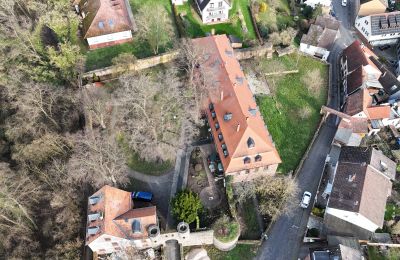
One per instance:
[(101, 25)]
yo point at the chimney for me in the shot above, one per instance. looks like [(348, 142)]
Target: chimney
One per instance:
[(222, 95), (238, 128), (212, 31)]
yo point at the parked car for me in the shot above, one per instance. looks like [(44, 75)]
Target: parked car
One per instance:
[(220, 168), (384, 47), (344, 2), (211, 166), (305, 200), (142, 195)]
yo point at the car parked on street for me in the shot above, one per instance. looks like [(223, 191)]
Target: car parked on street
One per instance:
[(384, 47), (305, 200), (142, 195)]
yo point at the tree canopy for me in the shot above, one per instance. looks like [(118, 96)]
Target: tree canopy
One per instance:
[(186, 206)]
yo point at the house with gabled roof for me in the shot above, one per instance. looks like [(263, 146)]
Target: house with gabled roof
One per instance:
[(113, 223), (320, 37), (106, 22), (358, 69), (361, 186), (240, 134), (214, 11)]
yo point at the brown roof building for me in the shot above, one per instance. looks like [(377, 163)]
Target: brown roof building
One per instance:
[(241, 137), (320, 37), (106, 22), (361, 186), (113, 223)]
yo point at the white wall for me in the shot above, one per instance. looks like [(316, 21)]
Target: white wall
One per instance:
[(110, 37), (101, 243), (353, 218), (216, 12), (312, 50)]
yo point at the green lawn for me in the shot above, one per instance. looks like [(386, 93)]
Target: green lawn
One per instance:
[(195, 28), (290, 129), (102, 57), (249, 215), (392, 254), (242, 252)]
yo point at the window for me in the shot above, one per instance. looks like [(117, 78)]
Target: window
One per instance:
[(117, 248), (211, 106), (220, 4), (216, 126), (111, 23), (258, 158), (212, 5), (114, 244), (101, 25), (213, 115), (250, 143), (246, 160), (220, 137), (107, 239)]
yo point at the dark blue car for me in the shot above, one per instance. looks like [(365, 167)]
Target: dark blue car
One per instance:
[(142, 195)]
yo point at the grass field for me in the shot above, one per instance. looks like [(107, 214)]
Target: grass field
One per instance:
[(195, 28), (290, 127), (242, 252), (102, 57), (249, 216)]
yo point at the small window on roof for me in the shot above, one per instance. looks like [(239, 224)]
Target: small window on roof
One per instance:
[(111, 23), (258, 158), (393, 88), (94, 200), (136, 227), (250, 142), (92, 231), (101, 25)]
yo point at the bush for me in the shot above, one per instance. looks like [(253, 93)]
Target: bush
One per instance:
[(318, 212), (225, 229), (263, 7), (186, 206)]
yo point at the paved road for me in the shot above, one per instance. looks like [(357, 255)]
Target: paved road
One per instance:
[(285, 237)]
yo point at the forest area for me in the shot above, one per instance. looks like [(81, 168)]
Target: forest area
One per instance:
[(49, 162)]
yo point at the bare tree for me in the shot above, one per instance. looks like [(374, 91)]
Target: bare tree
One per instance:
[(273, 192), (97, 160), (154, 26)]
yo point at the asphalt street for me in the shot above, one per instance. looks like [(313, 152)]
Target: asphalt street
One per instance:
[(286, 235)]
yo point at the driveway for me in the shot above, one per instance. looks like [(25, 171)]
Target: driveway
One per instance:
[(286, 234)]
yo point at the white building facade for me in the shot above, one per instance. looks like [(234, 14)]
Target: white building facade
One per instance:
[(213, 11)]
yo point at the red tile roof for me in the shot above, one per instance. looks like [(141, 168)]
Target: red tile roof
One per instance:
[(379, 112), (105, 17), (116, 204), (246, 123), (358, 102)]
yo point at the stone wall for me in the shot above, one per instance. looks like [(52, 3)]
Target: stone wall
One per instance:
[(114, 71), (259, 51)]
